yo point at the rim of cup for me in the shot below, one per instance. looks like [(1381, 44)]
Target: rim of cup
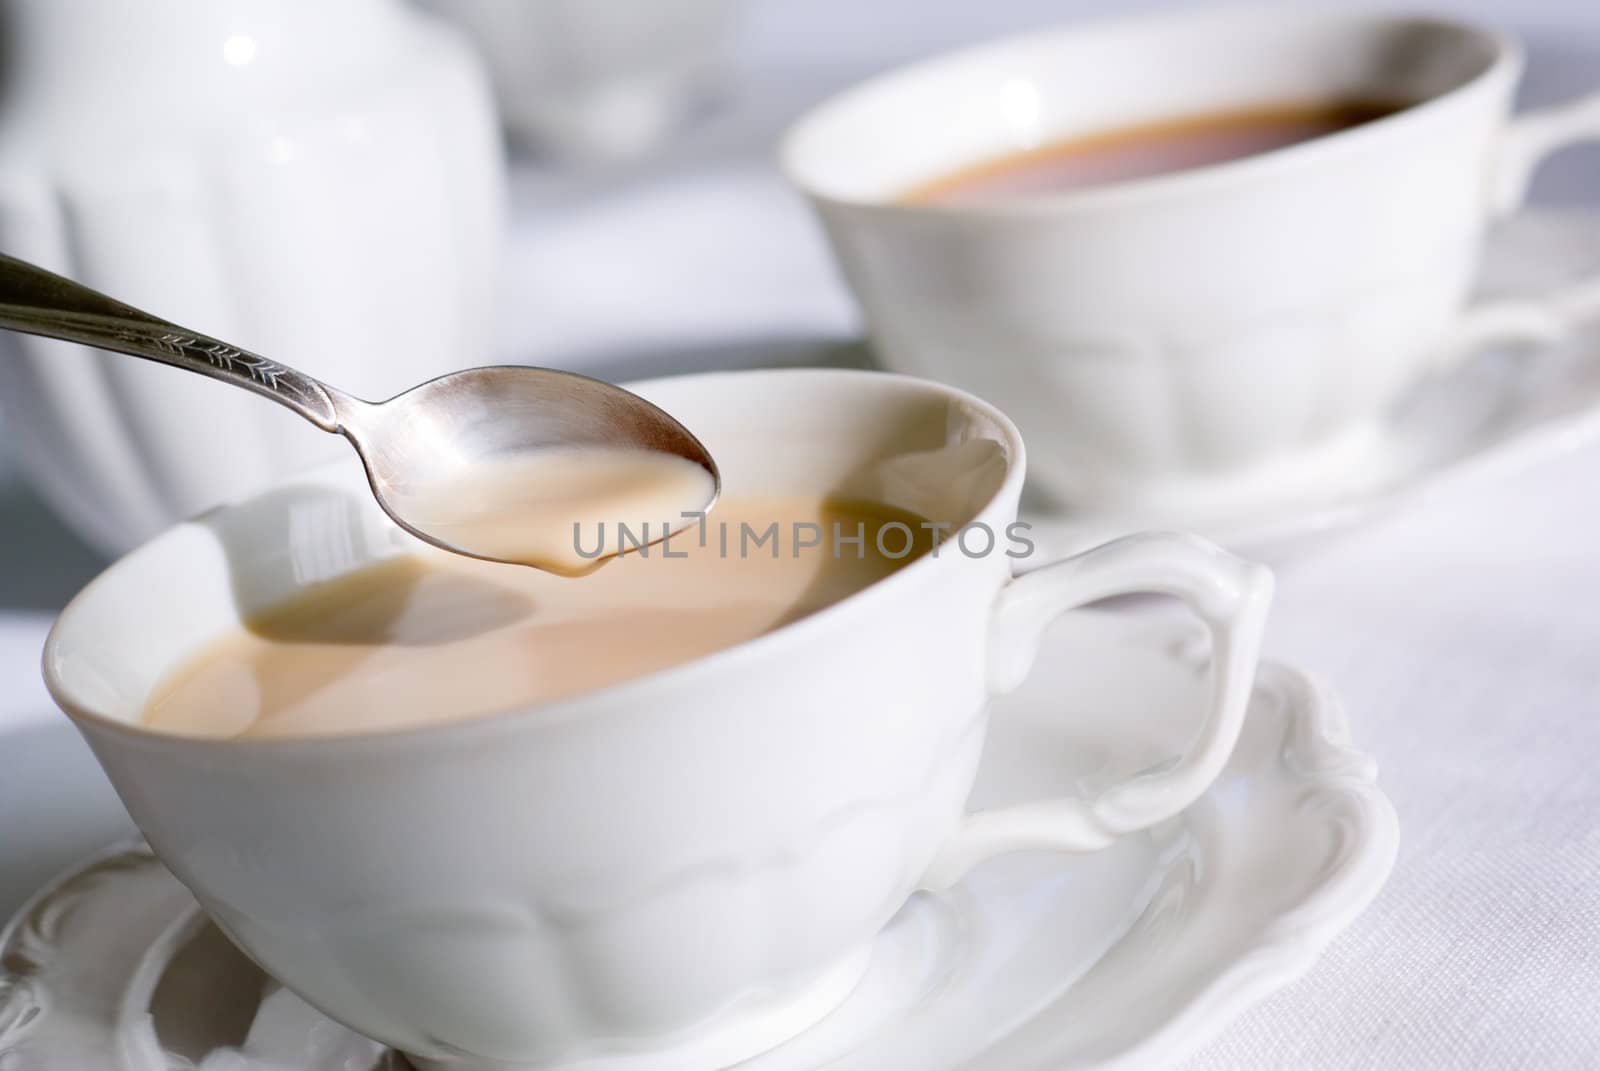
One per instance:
[(1503, 58), (557, 711)]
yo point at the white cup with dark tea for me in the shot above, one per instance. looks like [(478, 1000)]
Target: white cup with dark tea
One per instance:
[(1194, 254)]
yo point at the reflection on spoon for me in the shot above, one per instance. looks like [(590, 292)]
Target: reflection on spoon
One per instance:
[(565, 510)]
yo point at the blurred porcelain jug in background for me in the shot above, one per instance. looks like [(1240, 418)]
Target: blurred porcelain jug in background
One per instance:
[(321, 183), (593, 80)]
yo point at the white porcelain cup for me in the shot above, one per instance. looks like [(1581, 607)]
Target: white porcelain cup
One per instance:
[(1193, 334), (677, 871)]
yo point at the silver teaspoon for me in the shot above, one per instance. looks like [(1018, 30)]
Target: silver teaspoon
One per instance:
[(461, 461)]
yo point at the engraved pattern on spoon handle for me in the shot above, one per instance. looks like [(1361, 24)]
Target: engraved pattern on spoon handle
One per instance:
[(38, 302)]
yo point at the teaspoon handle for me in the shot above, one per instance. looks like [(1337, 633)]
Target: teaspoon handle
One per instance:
[(38, 302)]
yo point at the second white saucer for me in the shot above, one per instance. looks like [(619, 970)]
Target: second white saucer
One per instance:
[(1499, 409)]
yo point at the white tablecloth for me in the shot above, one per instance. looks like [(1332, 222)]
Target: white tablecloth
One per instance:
[(1463, 632)]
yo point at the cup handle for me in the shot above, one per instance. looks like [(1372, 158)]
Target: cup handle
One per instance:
[(1229, 595), (1550, 317)]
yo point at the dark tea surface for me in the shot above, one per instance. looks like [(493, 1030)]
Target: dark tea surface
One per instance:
[(1148, 149)]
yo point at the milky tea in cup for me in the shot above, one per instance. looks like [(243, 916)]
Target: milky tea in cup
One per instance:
[(436, 637)]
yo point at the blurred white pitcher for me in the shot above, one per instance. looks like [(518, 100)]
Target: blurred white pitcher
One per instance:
[(1198, 333), (322, 182)]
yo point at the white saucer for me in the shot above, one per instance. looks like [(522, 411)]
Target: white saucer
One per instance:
[(1499, 409), (1132, 957)]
